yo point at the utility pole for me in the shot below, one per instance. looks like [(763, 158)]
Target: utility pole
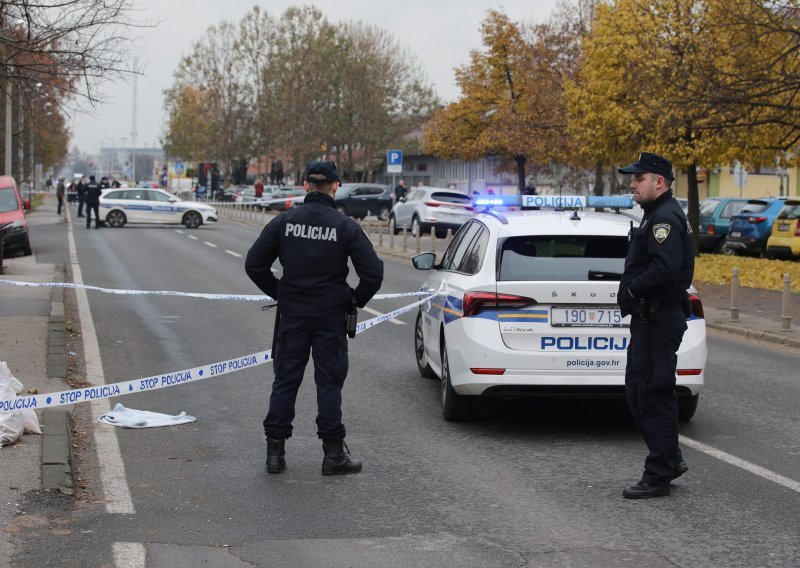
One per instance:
[(9, 128), (133, 121)]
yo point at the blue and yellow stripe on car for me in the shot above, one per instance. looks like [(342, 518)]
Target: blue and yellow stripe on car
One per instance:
[(452, 310)]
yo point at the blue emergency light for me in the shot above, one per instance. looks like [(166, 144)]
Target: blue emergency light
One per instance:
[(552, 201)]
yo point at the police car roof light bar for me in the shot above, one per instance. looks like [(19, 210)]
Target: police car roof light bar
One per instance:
[(558, 202)]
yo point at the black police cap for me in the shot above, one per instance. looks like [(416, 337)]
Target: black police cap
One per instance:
[(650, 163), (321, 172)]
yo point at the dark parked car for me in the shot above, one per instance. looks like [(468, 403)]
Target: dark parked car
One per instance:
[(715, 221), (362, 199), (282, 199), (751, 227)]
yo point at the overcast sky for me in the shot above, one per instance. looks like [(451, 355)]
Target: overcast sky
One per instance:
[(439, 33)]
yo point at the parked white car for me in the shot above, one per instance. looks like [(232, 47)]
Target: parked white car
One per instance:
[(427, 207)]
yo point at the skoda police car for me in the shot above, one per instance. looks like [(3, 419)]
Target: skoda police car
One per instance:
[(524, 303), (143, 205)]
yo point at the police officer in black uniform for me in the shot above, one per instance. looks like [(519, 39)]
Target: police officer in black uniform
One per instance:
[(93, 191), (313, 243), (658, 269)]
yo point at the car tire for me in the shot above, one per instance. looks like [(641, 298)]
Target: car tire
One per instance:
[(455, 407), (116, 218), (383, 213), (26, 246), (419, 351), (393, 225), (687, 406), (341, 209), (415, 226), (192, 220), (726, 250)]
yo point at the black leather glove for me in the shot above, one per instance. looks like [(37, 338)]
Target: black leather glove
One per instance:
[(626, 303)]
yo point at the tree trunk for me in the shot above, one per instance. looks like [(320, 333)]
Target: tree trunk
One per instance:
[(694, 206), (520, 160), (599, 185)]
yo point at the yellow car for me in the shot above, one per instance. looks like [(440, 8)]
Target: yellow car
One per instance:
[(784, 242)]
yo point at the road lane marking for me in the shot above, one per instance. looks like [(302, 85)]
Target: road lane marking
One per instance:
[(193, 237), (236, 254), (113, 482), (212, 245), (395, 321), (129, 555), (179, 231), (742, 464)]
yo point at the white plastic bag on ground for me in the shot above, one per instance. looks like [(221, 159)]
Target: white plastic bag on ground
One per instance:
[(132, 418), (14, 424)]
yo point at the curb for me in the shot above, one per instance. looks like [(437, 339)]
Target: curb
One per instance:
[(57, 433), (755, 334)]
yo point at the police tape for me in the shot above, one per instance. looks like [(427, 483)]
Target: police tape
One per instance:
[(171, 379), (222, 297)]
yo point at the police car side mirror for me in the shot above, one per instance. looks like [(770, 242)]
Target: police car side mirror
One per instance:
[(424, 261), (173, 200)]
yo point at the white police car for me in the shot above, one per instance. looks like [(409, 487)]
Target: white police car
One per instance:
[(143, 205), (525, 303)]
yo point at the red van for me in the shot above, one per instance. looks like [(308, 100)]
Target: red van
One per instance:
[(12, 218)]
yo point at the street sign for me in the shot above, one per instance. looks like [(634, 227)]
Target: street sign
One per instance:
[(394, 161), (179, 168)]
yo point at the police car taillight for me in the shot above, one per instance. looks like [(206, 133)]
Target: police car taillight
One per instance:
[(697, 306), (476, 302)]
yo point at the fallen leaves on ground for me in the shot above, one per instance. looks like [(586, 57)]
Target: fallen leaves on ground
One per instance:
[(753, 272)]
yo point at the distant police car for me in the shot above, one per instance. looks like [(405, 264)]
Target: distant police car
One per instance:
[(525, 303), (142, 205)]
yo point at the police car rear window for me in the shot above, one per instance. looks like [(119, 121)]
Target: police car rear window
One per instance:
[(561, 257)]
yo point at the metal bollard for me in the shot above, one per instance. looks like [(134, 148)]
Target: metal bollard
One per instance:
[(418, 237), (380, 235), (369, 230), (405, 238), (391, 238), (433, 240), (786, 317), (448, 238), (735, 296)]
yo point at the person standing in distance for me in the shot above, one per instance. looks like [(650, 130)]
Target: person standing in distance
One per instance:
[(659, 268), (60, 191), (400, 191), (313, 243), (81, 188), (93, 191)]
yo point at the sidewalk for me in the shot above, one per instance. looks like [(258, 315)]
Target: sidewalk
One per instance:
[(33, 344)]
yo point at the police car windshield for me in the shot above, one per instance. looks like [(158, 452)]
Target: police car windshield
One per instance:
[(563, 257)]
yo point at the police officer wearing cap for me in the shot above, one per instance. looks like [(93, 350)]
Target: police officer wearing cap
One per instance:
[(313, 244), (659, 268)]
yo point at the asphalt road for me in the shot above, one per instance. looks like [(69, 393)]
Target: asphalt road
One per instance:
[(531, 483)]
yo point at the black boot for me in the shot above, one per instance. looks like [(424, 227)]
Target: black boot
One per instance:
[(337, 459), (275, 452)]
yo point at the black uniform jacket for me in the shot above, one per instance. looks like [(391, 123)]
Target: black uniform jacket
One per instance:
[(93, 191), (313, 243), (660, 260)]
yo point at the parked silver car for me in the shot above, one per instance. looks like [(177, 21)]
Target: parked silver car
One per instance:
[(427, 207)]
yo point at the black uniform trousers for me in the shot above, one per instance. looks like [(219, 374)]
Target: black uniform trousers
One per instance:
[(81, 201), (650, 388), (326, 339), (92, 206)]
